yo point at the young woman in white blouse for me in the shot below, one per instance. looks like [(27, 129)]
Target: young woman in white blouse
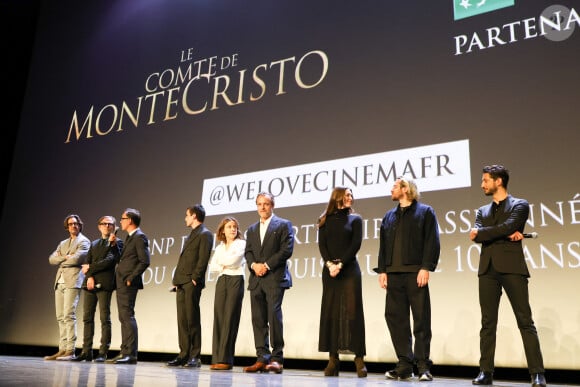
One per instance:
[(229, 263)]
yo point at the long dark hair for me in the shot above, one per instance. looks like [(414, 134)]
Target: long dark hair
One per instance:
[(336, 200)]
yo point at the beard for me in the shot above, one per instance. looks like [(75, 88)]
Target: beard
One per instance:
[(490, 192)]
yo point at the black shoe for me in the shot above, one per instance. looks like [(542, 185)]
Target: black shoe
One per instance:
[(126, 360), (425, 376), (82, 357), (193, 363), (538, 380), (101, 358), (483, 379), (178, 361), (399, 375)]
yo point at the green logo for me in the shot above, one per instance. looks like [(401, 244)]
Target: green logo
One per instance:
[(468, 8)]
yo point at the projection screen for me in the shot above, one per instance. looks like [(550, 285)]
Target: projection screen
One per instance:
[(159, 105)]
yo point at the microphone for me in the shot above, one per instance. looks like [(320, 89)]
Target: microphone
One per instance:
[(115, 233), (530, 235)]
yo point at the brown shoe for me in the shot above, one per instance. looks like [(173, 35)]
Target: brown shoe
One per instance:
[(276, 367), (333, 366), (67, 355), (256, 367), (53, 357), (361, 369), (220, 367)]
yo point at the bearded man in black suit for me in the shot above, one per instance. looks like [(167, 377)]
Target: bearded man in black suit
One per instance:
[(499, 227)]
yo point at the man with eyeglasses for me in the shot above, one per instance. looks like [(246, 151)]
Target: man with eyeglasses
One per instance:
[(134, 260), (69, 255), (98, 287)]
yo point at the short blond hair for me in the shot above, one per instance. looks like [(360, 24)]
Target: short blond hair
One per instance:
[(412, 192)]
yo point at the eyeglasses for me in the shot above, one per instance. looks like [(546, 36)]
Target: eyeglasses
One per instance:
[(73, 224), (107, 224)]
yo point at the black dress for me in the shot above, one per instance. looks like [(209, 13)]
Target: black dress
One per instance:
[(342, 323)]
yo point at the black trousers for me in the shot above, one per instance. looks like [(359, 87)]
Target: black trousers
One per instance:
[(126, 298), (516, 288), (90, 301), (403, 295), (266, 305), (188, 320), (229, 294)]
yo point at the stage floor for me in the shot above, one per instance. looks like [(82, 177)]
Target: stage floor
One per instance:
[(34, 371)]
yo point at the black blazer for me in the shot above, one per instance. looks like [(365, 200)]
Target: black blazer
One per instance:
[(193, 260), (505, 255), (134, 260), (276, 250), (102, 260)]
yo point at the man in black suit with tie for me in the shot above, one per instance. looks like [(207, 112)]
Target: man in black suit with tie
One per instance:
[(132, 263), (188, 282), (499, 227), (269, 244), (98, 288)]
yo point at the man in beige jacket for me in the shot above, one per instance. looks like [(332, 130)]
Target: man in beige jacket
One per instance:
[(69, 255)]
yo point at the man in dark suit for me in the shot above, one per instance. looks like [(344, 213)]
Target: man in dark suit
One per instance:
[(499, 227), (132, 263), (188, 282), (269, 244), (98, 288)]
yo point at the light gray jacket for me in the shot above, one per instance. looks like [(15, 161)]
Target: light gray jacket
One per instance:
[(70, 268)]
